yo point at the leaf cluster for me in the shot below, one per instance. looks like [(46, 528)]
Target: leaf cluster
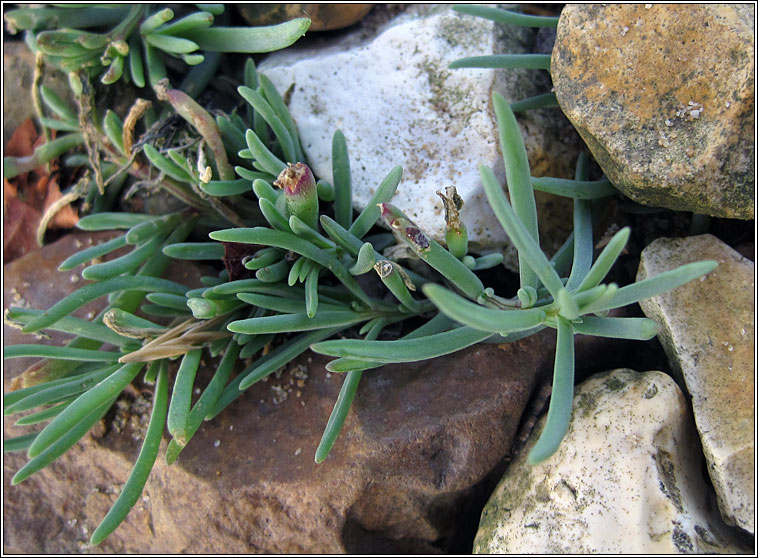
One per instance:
[(138, 36)]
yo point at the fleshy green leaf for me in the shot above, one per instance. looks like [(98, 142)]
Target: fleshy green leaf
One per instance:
[(499, 61), (653, 286), (282, 323), (82, 408), (195, 251), (506, 16), (605, 260), (561, 399), (249, 39), (63, 353), (403, 350), (90, 292), (343, 201), (529, 250), (479, 317), (577, 189), (640, 329), (518, 179), (135, 484), (181, 396)]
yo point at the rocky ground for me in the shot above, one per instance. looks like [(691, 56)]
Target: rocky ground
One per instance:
[(660, 452)]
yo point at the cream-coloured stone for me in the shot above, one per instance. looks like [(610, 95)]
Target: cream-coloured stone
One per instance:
[(397, 103), (708, 332), (625, 479)]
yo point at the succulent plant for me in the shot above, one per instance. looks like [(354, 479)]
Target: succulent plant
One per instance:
[(142, 34), (287, 268)]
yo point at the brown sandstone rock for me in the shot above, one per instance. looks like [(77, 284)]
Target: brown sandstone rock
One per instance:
[(324, 17), (418, 440), (18, 69), (33, 281), (408, 474), (663, 96)]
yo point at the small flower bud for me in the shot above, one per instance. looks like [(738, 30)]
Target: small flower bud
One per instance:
[(300, 192), (527, 295), (456, 236)]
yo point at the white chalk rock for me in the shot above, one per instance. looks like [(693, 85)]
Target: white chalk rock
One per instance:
[(708, 332), (397, 103), (626, 479)]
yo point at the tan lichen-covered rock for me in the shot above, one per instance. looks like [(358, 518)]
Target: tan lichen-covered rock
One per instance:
[(626, 479), (708, 332), (663, 97), (397, 103)]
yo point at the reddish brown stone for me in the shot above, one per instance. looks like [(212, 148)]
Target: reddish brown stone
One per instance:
[(324, 17), (34, 281), (421, 447)]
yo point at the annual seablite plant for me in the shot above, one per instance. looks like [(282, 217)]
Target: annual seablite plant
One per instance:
[(287, 281)]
